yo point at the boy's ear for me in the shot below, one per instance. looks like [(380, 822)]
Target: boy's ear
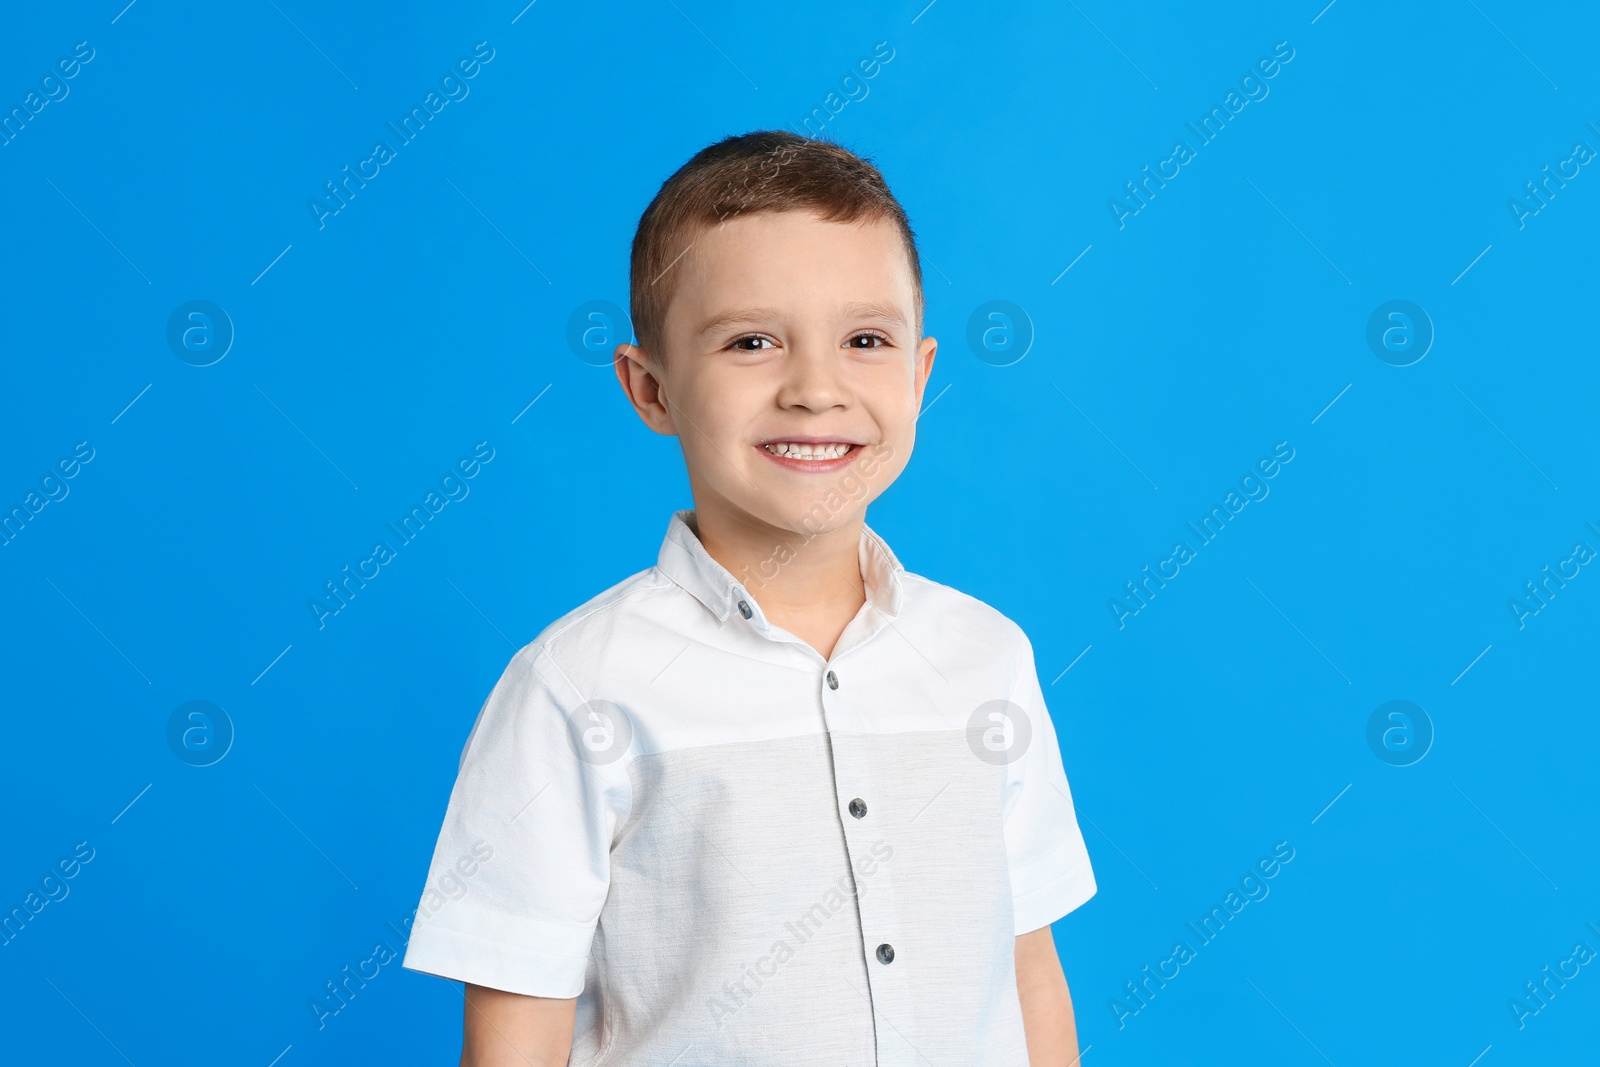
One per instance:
[(643, 389), (927, 348)]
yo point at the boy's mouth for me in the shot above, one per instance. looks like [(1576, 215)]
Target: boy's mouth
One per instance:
[(813, 454)]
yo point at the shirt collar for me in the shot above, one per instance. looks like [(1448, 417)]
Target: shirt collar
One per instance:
[(685, 560)]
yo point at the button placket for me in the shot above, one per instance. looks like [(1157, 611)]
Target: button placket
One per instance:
[(889, 992)]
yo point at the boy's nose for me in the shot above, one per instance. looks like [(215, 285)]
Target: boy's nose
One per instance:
[(811, 378)]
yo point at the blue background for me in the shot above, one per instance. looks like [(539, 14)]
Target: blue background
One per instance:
[(1225, 316)]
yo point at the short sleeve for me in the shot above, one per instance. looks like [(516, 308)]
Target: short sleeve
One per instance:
[(1050, 871), (522, 864)]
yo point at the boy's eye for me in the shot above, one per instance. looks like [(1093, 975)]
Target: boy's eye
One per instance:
[(878, 337), (740, 343)]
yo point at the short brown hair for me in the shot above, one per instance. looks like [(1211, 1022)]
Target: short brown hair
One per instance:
[(765, 170)]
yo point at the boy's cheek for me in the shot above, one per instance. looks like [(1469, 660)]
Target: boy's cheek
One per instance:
[(876, 455)]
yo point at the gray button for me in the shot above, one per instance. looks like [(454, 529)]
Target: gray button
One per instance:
[(885, 953), (744, 609), (858, 808), (833, 680)]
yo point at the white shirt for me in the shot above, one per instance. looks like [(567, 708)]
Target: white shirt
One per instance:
[(733, 850)]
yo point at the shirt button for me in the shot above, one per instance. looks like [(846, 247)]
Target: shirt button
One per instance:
[(858, 808), (744, 609), (885, 953), (833, 680)]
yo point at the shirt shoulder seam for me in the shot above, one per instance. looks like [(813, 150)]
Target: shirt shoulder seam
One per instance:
[(636, 585), (1006, 622)]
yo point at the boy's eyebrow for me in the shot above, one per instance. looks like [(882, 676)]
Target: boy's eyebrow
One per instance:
[(858, 309), (737, 315), (869, 310)]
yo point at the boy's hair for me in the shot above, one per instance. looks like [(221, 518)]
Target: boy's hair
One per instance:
[(765, 170)]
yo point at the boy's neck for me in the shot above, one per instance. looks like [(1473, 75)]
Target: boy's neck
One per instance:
[(809, 584)]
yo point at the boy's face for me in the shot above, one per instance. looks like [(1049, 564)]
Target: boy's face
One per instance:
[(787, 329)]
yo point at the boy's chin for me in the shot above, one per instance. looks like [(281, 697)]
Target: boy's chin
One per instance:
[(806, 515)]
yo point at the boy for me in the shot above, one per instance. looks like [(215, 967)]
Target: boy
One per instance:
[(774, 800)]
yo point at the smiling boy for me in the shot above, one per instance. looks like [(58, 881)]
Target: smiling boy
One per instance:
[(774, 800)]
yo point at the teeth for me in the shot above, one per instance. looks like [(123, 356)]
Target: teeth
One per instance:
[(811, 452)]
